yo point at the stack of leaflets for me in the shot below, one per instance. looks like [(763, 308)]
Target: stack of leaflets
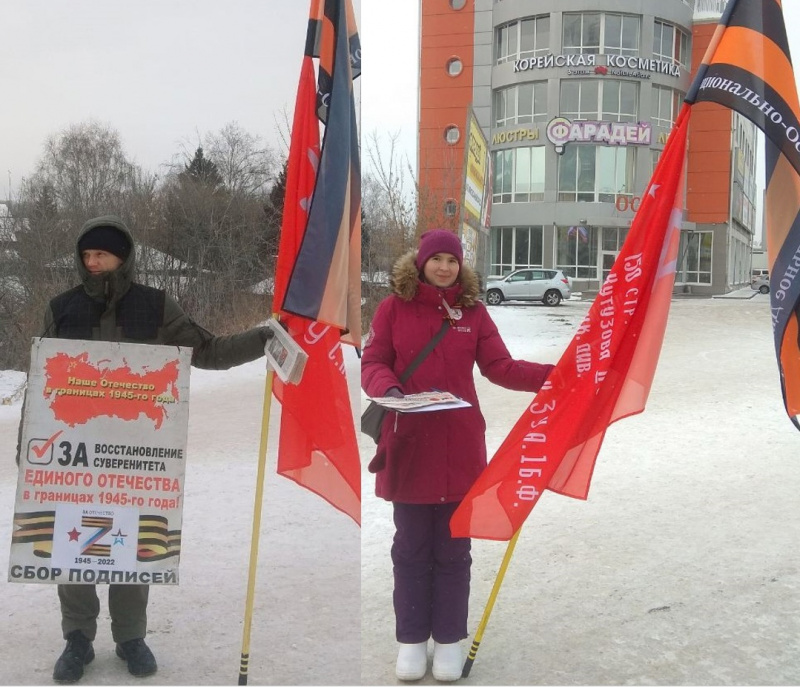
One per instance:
[(423, 402), (284, 355)]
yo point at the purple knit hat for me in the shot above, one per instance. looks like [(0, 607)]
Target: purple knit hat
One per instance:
[(438, 241)]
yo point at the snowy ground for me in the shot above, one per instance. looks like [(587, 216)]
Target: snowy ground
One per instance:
[(682, 566), (306, 621)]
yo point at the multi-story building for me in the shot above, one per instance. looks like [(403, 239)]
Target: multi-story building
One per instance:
[(576, 100)]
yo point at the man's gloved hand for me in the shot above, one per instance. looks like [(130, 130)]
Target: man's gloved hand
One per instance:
[(267, 333), (395, 392)]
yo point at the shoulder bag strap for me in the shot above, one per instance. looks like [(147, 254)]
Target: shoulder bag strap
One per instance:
[(424, 352)]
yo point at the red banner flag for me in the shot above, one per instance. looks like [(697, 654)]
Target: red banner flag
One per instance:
[(604, 375), (749, 69), (318, 447)]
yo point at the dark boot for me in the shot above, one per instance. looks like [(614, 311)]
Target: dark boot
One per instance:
[(140, 659), (78, 653)]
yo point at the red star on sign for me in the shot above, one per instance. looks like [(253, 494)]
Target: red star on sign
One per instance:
[(73, 536)]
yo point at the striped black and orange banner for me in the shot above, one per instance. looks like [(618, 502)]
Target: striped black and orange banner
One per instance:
[(325, 280), (35, 528), (323, 21), (748, 68), (156, 540)]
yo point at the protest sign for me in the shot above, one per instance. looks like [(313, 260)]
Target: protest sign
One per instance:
[(102, 462)]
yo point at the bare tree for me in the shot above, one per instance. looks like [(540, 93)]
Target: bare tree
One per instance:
[(244, 164), (86, 168), (390, 207)]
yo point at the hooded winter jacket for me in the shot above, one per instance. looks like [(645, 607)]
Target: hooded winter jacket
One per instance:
[(435, 457), (111, 306)]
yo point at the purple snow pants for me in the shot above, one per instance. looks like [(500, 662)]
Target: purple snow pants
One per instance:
[(431, 574)]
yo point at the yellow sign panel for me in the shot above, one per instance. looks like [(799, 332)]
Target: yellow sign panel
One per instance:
[(477, 156)]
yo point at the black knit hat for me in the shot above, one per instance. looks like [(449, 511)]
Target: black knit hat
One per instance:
[(109, 239)]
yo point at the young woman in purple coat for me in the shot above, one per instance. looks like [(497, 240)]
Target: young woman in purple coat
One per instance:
[(426, 462)]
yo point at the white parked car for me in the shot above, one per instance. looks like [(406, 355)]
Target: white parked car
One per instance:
[(529, 284), (761, 283)]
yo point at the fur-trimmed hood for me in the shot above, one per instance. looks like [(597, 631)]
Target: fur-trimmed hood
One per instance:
[(405, 280)]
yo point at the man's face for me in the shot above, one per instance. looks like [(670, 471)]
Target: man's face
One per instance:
[(97, 261)]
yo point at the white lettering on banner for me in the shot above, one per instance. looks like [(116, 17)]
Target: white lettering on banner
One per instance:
[(767, 109), (314, 333), (582, 64), (786, 281), (595, 344)]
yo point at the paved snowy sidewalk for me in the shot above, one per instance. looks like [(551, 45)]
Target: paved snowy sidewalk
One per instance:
[(682, 568)]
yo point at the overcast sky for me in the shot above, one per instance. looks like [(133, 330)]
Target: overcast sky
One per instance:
[(160, 73)]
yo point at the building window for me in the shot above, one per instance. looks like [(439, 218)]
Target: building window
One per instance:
[(450, 207), (671, 44), (620, 34), (666, 103), (524, 103), (694, 257), (525, 38), (458, 4), (619, 101), (655, 156), (612, 240), (576, 251), (452, 134), (579, 98), (604, 99), (514, 248), (454, 66), (595, 33), (518, 175), (595, 173)]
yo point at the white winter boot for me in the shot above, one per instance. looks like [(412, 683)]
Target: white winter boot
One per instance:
[(447, 661), (412, 661)]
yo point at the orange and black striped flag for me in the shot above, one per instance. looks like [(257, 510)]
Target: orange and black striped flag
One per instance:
[(320, 42), (324, 283), (748, 69)]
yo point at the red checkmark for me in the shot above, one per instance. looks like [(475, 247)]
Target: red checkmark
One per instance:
[(47, 444)]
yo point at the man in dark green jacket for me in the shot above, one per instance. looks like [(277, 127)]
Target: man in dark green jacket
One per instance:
[(110, 306)]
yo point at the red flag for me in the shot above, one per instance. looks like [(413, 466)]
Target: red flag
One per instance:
[(318, 447), (604, 375), (749, 69)]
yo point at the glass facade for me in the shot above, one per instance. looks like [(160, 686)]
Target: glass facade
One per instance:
[(576, 251), (518, 175), (608, 99), (694, 257), (524, 103), (600, 33), (595, 174), (516, 247), (525, 38)]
